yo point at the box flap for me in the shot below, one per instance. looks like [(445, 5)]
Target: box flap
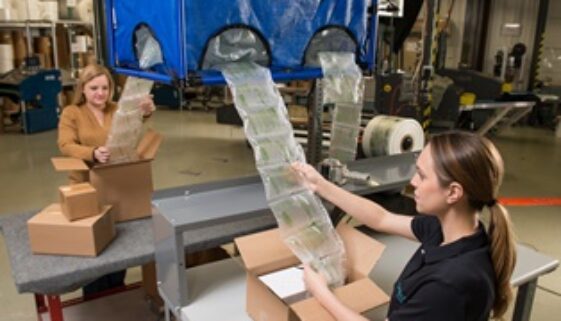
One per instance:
[(362, 251), (65, 164), (149, 144), (264, 252), (360, 296)]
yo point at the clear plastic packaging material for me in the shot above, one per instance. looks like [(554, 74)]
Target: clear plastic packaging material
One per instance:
[(331, 39), (124, 136), (333, 267), (277, 150), (235, 45), (251, 97), (315, 241), (270, 121), (319, 245), (345, 155), (344, 140), (342, 79), (297, 211), (246, 73), (147, 47), (304, 223), (347, 113), (135, 88), (126, 127), (280, 181)]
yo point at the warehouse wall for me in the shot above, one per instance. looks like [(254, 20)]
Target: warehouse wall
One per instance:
[(511, 11), (551, 59)]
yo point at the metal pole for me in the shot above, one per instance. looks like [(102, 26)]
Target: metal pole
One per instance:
[(315, 121)]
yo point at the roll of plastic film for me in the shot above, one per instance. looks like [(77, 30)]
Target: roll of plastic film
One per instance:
[(303, 221), (389, 135)]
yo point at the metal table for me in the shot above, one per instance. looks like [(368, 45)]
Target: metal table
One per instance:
[(506, 113)]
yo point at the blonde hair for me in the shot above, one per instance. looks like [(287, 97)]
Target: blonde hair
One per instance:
[(88, 73), (475, 163)]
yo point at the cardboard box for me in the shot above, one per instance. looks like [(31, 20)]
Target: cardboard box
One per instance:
[(51, 233), (78, 201), (126, 186), (265, 252)]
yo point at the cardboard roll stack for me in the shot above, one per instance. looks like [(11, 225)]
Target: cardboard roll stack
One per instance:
[(6, 52), (13, 50), (14, 10)]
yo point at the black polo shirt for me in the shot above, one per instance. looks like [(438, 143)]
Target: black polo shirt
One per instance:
[(453, 282)]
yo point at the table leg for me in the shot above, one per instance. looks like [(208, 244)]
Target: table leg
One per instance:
[(55, 308), (40, 303), (524, 301)]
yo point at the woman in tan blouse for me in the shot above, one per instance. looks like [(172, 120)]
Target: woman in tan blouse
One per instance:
[(84, 125), (82, 133)]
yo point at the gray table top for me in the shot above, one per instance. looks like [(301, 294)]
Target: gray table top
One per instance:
[(133, 246)]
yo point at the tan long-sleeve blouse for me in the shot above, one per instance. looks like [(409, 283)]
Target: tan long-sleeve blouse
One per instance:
[(79, 133)]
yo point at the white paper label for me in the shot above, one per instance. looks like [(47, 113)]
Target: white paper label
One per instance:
[(70, 3)]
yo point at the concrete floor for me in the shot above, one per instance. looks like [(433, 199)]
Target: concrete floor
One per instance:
[(196, 149)]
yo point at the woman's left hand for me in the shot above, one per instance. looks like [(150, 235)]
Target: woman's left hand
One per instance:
[(315, 282), (146, 104)]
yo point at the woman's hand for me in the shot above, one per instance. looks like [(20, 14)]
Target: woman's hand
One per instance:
[(315, 283), (146, 104), (101, 154), (311, 178)]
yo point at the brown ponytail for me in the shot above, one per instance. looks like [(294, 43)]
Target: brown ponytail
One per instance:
[(475, 163), (503, 255)]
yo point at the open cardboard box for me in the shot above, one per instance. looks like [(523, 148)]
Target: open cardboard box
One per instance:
[(265, 252), (50, 232), (126, 186)]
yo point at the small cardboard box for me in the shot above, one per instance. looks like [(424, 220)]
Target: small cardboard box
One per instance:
[(126, 186), (51, 233), (265, 252), (78, 201)]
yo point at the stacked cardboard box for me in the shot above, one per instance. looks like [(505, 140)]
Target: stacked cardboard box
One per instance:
[(78, 225)]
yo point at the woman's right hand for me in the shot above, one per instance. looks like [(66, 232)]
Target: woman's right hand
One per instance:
[(311, 178), (101, 154)]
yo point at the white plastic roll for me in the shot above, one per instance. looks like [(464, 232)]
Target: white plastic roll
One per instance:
[(49, 10), (80, 44), (6, 58), (34, 12), (85, 10), (9, 11), (389, 135)]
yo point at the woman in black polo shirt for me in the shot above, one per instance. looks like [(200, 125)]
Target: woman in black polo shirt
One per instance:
[(461, 271)]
